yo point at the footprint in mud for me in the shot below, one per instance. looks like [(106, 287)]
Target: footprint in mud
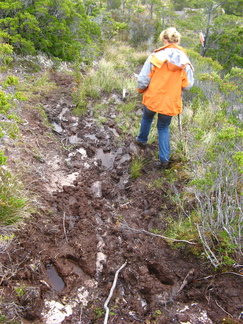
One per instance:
[(157, 270)]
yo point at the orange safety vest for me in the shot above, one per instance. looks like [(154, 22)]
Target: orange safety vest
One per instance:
[(163, 94)]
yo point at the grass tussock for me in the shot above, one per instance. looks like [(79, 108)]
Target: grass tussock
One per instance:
[(14, 201), (136, 167)]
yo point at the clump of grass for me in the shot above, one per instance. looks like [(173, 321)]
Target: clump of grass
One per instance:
[(103, 78), (14, 204), (138, 58), (118, 53), (127, 108), (136, 167), (9, 128), (34, 85), (100, 79), (112, 74)]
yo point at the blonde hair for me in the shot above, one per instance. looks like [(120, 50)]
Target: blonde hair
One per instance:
[(171, 35)]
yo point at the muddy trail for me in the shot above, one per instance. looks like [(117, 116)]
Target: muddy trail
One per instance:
[(90, 219)]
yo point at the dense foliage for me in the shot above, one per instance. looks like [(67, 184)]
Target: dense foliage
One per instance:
[(72, 29), (60, 28)]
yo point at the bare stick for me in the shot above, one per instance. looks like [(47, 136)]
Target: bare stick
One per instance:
[(223, 309), (220, 274), (207, 249), (111, 292), (80, 317), (152, 234), (64, 228), (186, 279)]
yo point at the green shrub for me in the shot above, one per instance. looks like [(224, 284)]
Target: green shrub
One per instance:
[(10, 80), (4, 102), (6, 51), (60, 29)]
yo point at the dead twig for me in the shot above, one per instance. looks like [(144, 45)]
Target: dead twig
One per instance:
[(125, 226), (219, 274), (37, 143), (223, 309), (211, 256), (187, 279), (80, 316), (111, 292)]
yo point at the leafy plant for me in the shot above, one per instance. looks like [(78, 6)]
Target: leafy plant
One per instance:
[(4, 102), (98, 312), (6, 51), (20, 290), (11, 80), (3, 158)]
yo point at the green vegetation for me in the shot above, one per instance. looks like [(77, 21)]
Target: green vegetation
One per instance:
[(59, 28), (20, 290), (14, 203), (4, 319), (136, 167), (214, 147)]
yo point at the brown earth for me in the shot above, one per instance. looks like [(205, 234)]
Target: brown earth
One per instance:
[(90, 219)]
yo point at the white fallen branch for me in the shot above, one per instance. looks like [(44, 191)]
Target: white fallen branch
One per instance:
[(223, 309), (187, 279), (211, 256), (111, 293), (220, 274), (125, 226)]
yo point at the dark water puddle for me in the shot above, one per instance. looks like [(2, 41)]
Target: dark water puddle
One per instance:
[(55, 280)]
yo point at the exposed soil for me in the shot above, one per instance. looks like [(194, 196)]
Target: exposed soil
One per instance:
[(90, 219)]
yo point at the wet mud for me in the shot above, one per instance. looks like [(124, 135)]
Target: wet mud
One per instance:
[(91, 218)]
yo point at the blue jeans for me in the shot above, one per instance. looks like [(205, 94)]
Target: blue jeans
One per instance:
[(163, 124)]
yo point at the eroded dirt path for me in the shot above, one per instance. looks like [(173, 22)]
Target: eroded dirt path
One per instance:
[(90, 219)]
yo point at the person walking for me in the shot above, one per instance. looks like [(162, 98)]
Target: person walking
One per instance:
[(165, 74)]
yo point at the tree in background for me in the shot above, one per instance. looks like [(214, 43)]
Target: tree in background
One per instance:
[(226, 41), (219, 21), (222, 32), (71, 29), (233, 7), (180, 4), (60, 28)]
